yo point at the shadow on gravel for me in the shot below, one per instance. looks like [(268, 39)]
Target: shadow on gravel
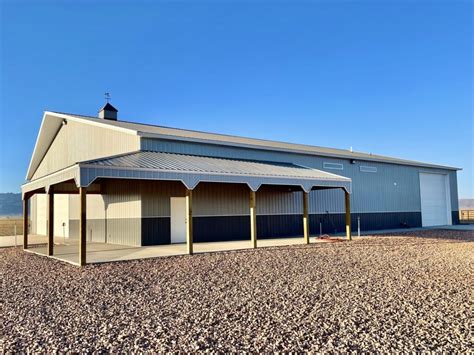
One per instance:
[(438, 234)]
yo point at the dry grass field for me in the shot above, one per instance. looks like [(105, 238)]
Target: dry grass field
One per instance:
[(7, 226), (405, 292)]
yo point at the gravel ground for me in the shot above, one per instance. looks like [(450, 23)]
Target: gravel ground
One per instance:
[(374, 294)]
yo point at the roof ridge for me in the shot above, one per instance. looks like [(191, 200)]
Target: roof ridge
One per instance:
[(259, 143), (213, 133)]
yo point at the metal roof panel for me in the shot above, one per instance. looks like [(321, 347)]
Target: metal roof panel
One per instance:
[(192, 169), (202, 164), (154, 131)]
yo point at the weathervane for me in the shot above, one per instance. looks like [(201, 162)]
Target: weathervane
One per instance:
[(107, 97)]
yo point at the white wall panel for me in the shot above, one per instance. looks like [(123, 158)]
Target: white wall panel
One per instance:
[(41, 214), (113, 217), (61, 215), (77, 142), (33, 214)]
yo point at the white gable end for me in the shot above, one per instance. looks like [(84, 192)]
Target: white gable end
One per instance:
[(64, 141)]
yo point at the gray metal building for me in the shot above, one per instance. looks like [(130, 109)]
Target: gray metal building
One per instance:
[(140, 179)]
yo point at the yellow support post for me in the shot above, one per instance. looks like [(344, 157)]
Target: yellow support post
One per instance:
[(253, 218), (82, 226), (306, 217), (348, 215), (50, 221), (189, 221), (25, 221)]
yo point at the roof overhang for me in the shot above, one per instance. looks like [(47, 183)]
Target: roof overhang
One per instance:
[(191, 170), (45, 182)]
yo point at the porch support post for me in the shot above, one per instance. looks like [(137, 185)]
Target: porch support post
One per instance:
[(348, 215), (82, 225), (50, 221), (253, 218), (189, 221), (25, 221), (306, 217)]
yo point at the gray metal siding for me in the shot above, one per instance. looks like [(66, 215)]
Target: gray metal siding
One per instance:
[(156, 197), (279, 200), (453, 182), (221, 199), (393, 188)]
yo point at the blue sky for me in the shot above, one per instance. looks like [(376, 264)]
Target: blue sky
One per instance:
[(388, 77)]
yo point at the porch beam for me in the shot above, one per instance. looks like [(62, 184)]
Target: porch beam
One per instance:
[(50, 222), (189, 221), (348, 215), (82, 225), (75, 192), (306, 217), (25, 221), (253, 219)]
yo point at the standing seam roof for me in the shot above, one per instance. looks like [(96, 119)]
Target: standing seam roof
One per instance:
[(206, 165)]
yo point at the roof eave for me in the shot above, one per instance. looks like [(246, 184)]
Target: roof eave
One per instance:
[(297, 151), (29, 173)]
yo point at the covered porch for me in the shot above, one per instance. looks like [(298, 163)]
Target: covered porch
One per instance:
[(89, 177)]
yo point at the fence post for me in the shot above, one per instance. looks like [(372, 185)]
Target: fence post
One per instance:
[(14, 227), (358, 226)]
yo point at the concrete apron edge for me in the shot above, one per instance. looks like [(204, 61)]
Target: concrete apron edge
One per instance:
[(52, 257), (244, 249)]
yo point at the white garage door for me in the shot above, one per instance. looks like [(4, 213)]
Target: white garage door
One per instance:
[(435, 200)]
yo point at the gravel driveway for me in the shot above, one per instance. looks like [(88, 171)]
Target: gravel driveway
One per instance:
[(384, 293)]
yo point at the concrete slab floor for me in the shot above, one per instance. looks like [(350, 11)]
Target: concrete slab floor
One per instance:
[(102, 252), (11, 241), (68, 250)]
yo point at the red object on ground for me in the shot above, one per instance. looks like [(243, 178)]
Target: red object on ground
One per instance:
[(327, 238)]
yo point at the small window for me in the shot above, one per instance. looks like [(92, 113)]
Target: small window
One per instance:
[(335, 166), (368, 169)]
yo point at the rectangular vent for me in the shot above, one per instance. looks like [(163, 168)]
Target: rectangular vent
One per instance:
[(368, 169), (335, 166)]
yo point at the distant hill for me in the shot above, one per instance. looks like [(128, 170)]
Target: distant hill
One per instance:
[(466, 203), (10, 204)]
